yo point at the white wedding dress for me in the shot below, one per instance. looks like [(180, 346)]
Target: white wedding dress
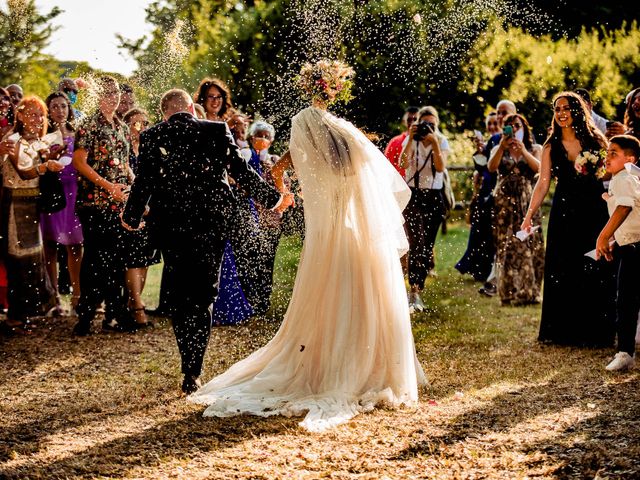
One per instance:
[(345, 343)]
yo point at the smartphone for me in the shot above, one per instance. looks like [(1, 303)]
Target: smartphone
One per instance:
[(478, 134), (507, 131)]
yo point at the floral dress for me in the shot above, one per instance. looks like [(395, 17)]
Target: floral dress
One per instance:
[(520, 265)]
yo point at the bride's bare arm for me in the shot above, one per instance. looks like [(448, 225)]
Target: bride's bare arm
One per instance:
[(277, 172)]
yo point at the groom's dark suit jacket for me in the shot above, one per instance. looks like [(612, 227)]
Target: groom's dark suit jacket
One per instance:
[(182, 175)]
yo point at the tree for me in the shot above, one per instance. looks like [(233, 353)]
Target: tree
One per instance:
[(24, 33), (529, 70)]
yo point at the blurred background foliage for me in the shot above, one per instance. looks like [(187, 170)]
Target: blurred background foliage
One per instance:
[(461, 57)]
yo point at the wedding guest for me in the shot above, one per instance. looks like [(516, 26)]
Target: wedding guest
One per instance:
[(215, 97), (261, 137), (237, 270), (29, 291), (101, 157), (394, 147), (519, 264), (16, 94), (598, 121), (632, 114), (7, 114), (503, 109), (424, 158), (491, 124), (578, 294), (623, 202), (127, 100), (239, 286), (477, 260), (238, 123), (139, 254), (69, 87), (63, 227), (7, 119), (200, 113)]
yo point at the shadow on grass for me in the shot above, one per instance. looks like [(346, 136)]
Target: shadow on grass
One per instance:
[(607, 442), (179, 440)]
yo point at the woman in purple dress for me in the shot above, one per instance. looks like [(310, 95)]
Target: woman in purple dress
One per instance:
[(63, 227)]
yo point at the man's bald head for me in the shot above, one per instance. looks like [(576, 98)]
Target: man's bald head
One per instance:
[(504, 108), (175, 101)]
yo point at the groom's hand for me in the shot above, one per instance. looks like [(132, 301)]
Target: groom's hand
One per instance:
[(287, 201), (129, 227)]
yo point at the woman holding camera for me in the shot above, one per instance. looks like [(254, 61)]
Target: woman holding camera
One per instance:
[(520, 264), (423, 157)]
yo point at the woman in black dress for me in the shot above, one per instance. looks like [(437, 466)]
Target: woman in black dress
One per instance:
[(578, 300), (139, 252)]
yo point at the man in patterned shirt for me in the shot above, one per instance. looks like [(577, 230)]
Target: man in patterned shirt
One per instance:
[(101, 158)]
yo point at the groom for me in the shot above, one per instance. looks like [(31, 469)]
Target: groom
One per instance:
[(182, 176)]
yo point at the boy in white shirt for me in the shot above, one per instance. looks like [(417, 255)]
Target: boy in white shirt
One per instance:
[(623, 201)]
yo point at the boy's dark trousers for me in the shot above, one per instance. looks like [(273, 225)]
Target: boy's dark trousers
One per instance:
[(628, 300)]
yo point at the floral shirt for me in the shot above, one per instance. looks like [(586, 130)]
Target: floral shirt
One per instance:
[(107, 146)]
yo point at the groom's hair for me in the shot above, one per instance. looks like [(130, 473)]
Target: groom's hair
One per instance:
[(175, 100)]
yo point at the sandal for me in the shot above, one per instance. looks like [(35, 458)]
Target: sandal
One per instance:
[(12, 330), (54, 312), (140, 317)]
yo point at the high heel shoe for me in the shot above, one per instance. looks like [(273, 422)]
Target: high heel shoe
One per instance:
[(140, 317), (18, 328)]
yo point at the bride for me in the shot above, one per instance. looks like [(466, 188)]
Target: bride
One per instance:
[(345, 344)]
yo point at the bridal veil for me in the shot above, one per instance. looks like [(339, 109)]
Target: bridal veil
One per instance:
[(345, 343)]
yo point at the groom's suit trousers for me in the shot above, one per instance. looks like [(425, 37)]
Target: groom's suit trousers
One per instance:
[(194, 267)]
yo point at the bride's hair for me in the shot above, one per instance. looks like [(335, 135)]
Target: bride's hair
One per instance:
[(326, 80)]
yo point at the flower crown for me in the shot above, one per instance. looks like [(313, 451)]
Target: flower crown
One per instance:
[(326, 80)]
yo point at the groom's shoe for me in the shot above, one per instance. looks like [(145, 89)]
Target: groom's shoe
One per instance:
[(190, 384)]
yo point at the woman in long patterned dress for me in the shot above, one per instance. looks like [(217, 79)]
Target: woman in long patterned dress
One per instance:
[(30, 291), (520, 264)]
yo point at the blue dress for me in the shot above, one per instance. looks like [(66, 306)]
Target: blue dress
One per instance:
[(232, 305), (478, 258)]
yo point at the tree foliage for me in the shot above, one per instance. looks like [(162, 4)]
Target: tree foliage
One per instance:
[(529, 70), (24, 33), (461, 57)]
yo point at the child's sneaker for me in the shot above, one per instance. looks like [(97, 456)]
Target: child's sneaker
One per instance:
[(621, 362)]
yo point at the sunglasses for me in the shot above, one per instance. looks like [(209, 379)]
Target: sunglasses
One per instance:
[(214, 97)]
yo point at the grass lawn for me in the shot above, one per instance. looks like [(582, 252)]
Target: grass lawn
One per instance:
[(499, 405)]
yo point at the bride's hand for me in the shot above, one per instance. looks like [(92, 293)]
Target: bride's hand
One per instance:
[(287, 201)]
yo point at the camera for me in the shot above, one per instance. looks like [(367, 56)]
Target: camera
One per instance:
[(423, 129)]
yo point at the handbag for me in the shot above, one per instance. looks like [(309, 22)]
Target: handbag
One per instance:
[(52, 198)]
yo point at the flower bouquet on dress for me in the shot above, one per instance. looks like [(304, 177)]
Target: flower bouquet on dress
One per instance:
[(591, 163)]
